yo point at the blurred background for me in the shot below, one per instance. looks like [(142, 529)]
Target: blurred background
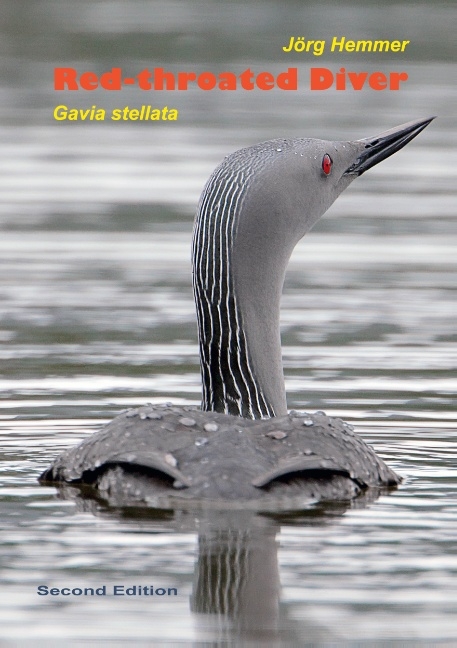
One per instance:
[(96, 308)]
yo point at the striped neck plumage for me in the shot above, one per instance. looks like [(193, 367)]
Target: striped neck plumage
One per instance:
[(254, 209), (231, 372)]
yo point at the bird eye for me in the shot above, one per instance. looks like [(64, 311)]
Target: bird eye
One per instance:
[(327, 163)]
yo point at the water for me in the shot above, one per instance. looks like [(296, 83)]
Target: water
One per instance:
[(96, 314)]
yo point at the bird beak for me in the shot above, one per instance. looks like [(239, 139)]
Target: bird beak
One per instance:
[(380, 147)]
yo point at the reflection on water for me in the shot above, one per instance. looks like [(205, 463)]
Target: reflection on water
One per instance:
[(96, 314), (387, 570)]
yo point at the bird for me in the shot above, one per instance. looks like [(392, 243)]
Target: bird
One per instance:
[(243, 448)]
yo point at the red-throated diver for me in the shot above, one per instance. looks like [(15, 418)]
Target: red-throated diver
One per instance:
[(244, 449)]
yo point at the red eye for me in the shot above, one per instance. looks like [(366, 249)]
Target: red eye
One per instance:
[(327, 164)]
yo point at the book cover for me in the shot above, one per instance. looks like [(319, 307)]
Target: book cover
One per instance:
[(113, 116)]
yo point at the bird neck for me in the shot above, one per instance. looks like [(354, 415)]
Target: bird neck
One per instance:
[(237, 298)]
